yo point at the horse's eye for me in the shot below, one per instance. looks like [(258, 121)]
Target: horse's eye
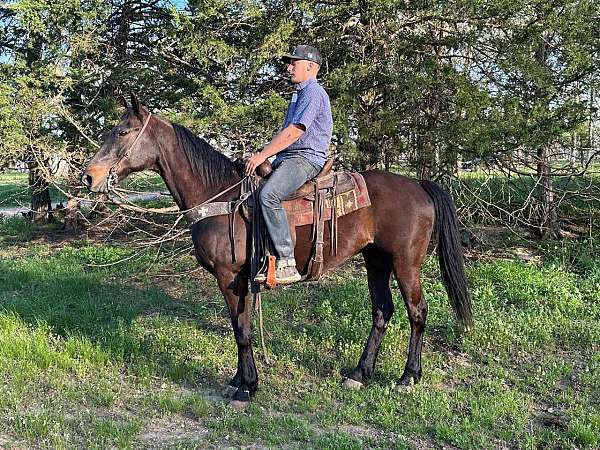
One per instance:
[(123, 132)]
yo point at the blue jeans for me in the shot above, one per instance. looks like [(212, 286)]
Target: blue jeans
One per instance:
[(286, 178)]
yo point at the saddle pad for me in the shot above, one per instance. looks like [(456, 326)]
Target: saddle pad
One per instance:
[(300, 211)]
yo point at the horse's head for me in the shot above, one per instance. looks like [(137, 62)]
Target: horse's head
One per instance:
[(128, 148)]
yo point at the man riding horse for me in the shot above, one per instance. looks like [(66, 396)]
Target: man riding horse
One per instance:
[(301, 148), (393, 233)]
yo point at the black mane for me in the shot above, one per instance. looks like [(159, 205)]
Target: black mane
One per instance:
[(206, 162)]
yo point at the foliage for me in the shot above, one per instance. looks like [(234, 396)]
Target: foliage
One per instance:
[(424, 85), (461, 78)]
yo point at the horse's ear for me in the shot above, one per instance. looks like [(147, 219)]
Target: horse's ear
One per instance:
[(123, 101), (135, 104)]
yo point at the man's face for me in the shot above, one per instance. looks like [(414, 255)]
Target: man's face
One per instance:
[(300, 70)]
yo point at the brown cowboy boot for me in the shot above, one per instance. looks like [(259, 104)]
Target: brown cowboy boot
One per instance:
[(286, 272)]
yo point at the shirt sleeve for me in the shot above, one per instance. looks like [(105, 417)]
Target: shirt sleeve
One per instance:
[(307, 107)]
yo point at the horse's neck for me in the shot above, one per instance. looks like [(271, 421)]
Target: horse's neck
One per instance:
[(187, 188)]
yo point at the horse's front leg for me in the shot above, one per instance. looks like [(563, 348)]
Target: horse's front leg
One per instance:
[(235, 290)]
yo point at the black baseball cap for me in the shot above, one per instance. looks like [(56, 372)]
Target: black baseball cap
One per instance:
[(306, 52)]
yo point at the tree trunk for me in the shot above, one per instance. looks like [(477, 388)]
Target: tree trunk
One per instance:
[(41, 206), (425, 162), (586, 152), (547, 220), (428, 154), (122, 37)]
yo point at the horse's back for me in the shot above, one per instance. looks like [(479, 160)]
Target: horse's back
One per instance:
[(398, 222), (401, 212), (389, 191)]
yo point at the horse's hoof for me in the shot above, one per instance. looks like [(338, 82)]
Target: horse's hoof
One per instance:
[(405, 384), (239, 405), (350, 384), (229, 391)]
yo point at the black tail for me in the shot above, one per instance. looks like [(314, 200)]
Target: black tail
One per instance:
[(450, 254)]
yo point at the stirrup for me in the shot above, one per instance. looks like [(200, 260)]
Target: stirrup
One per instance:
[(262, 278), (267, 274), (279, 272)]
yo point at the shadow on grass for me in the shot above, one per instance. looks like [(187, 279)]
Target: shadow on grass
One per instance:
[(324, 328), (146, 331)]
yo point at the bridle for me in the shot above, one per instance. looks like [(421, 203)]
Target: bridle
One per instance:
[(193, 214), (113, 178)]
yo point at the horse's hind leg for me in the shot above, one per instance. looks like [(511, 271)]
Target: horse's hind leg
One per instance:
[(416, 307), (379, 269)]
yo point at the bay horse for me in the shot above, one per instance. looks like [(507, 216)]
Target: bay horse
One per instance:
[(393, 235)]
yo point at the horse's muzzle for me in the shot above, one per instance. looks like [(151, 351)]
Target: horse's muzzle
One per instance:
[(96, 179)]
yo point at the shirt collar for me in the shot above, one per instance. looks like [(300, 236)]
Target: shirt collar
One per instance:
[(305, 83)]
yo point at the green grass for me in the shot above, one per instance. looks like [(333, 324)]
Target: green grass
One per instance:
[(145, 182), (98, 357), (14, 190), (494, 198), (14, 187)]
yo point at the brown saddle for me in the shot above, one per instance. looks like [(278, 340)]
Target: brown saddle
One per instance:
[(323, 199)]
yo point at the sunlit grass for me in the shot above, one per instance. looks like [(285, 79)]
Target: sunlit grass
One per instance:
[(14, 190), (96, 357)]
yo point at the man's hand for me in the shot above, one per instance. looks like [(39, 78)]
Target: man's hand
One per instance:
[(253, 162)]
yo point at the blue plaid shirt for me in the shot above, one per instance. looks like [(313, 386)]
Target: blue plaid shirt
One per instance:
[(310, 107)]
